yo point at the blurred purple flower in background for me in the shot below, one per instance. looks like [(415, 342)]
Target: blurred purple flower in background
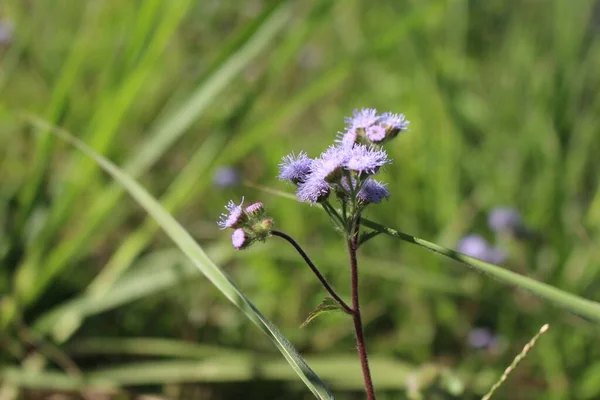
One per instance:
[(6, 32), (477, 247), (226, 176), (481, 338), (505, 220)]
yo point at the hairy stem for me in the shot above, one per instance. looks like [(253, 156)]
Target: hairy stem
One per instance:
[(352, 243), (314, 269)]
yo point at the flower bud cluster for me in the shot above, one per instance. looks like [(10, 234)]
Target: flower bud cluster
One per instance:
[(249, 223)]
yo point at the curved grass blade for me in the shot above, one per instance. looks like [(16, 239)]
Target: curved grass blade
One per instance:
[(585, 308), (195, 253), (340, 369)]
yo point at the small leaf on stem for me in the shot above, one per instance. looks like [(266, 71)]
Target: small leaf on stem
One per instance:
[(327, 305)]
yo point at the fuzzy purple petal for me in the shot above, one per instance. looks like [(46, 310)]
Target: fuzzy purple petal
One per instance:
[(234, 215), (313, 190), (394, 121), (376, 133), (329, 163), (366, 160), (294, 168), (348, 138), (373, 192), (363, 118)]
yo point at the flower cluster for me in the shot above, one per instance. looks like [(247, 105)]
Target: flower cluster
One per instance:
[(249, 223), (346, 168)]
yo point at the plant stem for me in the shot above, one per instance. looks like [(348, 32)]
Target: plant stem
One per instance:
[(352, 242), (314, 269)]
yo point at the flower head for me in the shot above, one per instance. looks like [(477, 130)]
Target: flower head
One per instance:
[(365, 160), (240, 239), (397, 122), (329, 165), (235, 216), (367, 126), (313, 190), (348, 138), (294, 169), (376, 133), (362, 118), (373, 192)]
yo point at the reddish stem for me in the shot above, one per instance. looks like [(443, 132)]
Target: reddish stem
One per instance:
[(358, 328)]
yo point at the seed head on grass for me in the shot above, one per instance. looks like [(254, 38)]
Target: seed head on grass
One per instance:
[(516, 362)]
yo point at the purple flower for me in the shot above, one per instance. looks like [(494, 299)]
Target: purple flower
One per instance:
[(329, 165), (376, 133), (313, 190), (235, 216), (365, 160), (480, 338), (294, 169), (347, 138), (367, 126), (477, 247), (362, 118), (393, 121), (504, 220), (239, 239), (323, 170), (226, 176), (373, 192)]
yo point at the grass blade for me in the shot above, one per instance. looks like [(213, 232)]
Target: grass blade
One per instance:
[(195, 253), (578, 305)]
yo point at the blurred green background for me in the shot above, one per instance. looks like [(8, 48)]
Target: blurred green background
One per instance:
[(504, 103)]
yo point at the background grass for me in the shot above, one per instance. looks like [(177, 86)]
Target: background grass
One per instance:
[(504, 109)]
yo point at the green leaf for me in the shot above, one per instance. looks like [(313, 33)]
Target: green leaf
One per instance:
[(327, 305), (585, 308), (199, 258)]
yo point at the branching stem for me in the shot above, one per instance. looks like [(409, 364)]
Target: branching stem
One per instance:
[(314, 269)]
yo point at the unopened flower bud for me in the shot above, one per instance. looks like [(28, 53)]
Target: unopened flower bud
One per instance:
[(240, 239), (255, 209)]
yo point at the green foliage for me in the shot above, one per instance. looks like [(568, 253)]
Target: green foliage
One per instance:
[(503, 103)]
